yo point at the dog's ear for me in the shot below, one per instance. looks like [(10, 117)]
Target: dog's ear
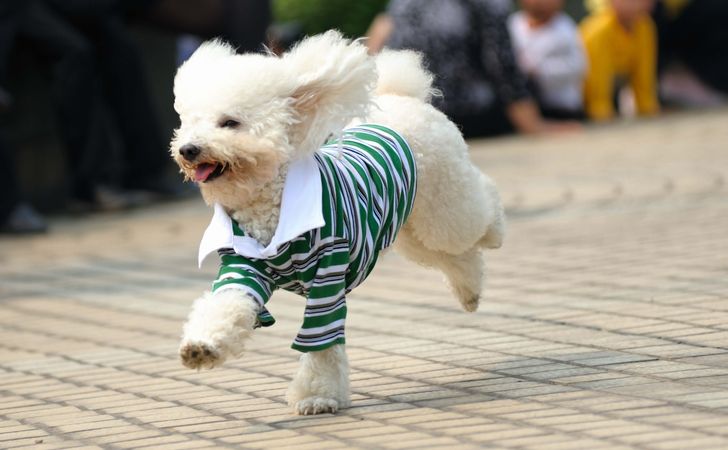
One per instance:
[(333, 81)]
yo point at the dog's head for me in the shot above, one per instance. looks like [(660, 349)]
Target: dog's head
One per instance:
[(245, 116)]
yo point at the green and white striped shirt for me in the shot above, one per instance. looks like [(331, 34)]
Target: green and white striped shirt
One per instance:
[(340, 208)]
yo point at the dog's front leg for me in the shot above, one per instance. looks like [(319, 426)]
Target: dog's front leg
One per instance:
[(322, 382), (217, 328)]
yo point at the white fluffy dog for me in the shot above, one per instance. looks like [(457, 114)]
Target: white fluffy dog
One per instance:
[(251, 125)]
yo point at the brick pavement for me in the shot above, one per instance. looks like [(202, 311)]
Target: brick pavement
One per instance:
[(604, 325)]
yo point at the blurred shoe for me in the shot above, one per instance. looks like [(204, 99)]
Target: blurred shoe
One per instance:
[(24, 219), (107, 199), (113, 199), (163, 189)]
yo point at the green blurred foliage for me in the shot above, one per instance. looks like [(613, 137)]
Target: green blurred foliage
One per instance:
[(351, 17)]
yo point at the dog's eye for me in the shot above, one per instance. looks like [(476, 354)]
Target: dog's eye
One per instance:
[(230, 123)]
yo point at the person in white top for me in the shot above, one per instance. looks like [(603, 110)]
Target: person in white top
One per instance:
[(549, 50)]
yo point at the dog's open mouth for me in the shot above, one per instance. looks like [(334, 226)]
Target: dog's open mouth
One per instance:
[(207, 172)]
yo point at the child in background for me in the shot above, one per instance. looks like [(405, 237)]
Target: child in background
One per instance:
[(621, 45), (549, 51)]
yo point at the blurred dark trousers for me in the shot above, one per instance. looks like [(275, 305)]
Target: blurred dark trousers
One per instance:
[(124, 87), (73, 86), (492, 121), (9, 195), (92, 62), (699, 38)]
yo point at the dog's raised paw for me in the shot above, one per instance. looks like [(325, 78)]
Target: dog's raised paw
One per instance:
[(197, 355), (315, 405)]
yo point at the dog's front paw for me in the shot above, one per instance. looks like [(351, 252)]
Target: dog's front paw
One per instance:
[(198, 355), (315, 405)]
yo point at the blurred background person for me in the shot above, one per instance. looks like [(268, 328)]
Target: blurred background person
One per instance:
[(67, 61), (693, 52), (84, 58), (549, 51), (16, 215), (120, 87), (379, 32), (467, 46), (94, 68), (242, 23), (621, 44)]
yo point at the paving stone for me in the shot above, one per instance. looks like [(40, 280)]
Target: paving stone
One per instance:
[(603, 324)]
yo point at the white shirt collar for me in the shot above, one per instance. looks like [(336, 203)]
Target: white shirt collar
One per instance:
[(300, 212)]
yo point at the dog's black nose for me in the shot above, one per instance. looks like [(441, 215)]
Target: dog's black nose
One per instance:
[(189, 151)]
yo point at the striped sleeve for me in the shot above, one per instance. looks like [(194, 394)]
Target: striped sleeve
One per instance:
[(251, 277), (323, 322)]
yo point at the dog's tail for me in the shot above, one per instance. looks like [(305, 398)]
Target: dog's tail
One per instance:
[(401, 72)]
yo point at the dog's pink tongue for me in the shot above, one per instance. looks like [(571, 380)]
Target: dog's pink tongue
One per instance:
[(203, 171)]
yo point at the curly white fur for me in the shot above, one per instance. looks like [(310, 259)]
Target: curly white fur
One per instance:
[(322, 382), (217, 328), (286, 107), (401, 73)]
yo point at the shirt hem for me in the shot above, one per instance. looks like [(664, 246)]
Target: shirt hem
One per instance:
[(318, 348)]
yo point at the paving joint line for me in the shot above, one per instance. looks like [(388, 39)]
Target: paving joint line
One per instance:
[(460, 389)]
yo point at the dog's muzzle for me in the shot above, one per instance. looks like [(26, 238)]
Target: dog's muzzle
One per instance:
[(189, 152), (204, 171)]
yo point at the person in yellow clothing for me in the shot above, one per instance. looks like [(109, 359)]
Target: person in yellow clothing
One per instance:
[(621, 45)]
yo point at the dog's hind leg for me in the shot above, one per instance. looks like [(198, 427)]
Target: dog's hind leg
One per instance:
[(493, 238), (322, 382), (495, 233), (465, 272)]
